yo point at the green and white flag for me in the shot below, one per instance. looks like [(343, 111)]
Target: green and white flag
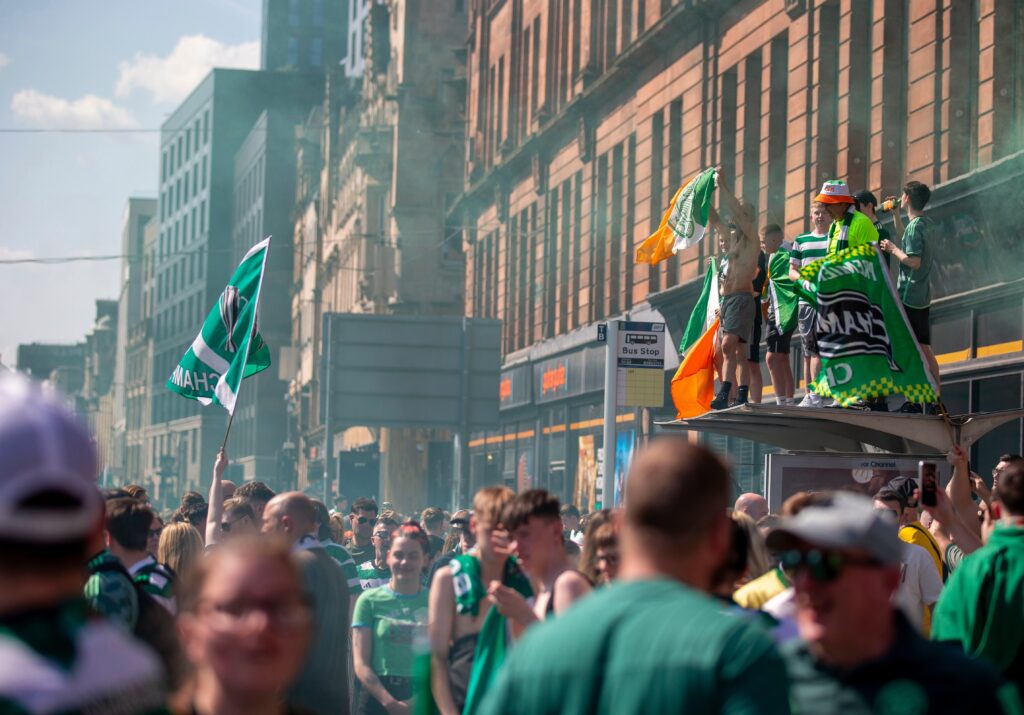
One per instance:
[(704, 310), (867, 348), (783, 296), (689, 217), (228, 347), (684, 223)]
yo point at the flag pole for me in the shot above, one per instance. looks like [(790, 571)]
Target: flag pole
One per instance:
[(227, 431)]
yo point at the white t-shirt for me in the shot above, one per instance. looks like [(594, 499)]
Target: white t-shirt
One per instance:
[(920, 585)]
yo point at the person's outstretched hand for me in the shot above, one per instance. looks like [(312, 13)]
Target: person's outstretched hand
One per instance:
[(221, 464)]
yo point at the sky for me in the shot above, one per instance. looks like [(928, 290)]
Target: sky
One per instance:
[(68, 67)]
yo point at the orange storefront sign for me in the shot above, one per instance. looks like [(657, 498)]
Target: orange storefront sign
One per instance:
[(553, 379)]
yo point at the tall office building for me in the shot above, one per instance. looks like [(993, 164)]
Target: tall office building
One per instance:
[(138, 212), (195, 252), (304, 35)]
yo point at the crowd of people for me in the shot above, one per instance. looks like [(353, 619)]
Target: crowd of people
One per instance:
[(680, 601), (839, 220)]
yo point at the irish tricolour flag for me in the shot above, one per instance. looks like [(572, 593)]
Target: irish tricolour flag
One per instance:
[(685, 221), (228, 347)]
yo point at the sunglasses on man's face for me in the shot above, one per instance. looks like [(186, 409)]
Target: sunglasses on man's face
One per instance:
[(363, 519), (822, 566)]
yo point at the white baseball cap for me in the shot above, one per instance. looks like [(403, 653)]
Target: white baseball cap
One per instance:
[(44, 448)]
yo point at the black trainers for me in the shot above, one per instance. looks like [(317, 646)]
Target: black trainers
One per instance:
[(911, 408), (742, 393)]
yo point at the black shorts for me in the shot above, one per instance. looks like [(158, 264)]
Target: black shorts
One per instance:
[(777, 342), (754, 351), (920, 324)]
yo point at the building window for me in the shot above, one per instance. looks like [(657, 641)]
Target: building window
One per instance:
[(778, 120), (293, 13), (615, 232), (293, 51), (963, 75), (657, 169), (752, 131), (206, 126), (675, 169), (318, 12), (315, 51)]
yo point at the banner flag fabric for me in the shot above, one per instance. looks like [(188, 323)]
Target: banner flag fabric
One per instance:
[(704, 310), (693, 386), (783, 294), (685, 221), (228, 347), (866, 345)]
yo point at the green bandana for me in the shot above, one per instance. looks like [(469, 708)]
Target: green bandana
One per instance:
[(491, 641)]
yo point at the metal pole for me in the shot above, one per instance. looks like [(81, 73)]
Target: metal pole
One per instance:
[(607, 480), (328, 369), (462, 438)]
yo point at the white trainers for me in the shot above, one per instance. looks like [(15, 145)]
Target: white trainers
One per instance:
[(811, 400)]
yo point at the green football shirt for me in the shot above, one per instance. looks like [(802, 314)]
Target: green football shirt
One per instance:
[(807, 248), (372, 577), (342, 557), (914, 285), (395, 620), (642, 647)]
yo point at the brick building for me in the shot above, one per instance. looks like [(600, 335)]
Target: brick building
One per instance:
[(583, 117)]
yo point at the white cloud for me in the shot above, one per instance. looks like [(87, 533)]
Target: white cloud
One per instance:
[(88, 112), (169, 79), (4, 60)]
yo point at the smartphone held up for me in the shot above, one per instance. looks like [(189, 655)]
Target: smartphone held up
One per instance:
[(928, 474)]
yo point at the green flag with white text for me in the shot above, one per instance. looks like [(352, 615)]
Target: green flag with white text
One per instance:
[(867, 348), (228, 347)]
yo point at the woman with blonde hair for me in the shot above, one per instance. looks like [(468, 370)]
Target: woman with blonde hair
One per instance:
[(759, 560), (245, 624), (180, 547)]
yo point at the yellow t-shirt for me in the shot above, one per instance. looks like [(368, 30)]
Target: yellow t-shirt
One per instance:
[(763, 588), (860, 232), (916, 534)]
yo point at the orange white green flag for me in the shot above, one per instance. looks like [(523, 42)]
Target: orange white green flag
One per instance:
[(693, 386), (685, 221)]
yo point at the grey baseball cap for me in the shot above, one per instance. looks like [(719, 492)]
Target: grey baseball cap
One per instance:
[(848, 521), (44, 448)]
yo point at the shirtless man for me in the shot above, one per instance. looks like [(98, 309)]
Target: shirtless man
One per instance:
[(459, 604), (532, 520), (738, 304)]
